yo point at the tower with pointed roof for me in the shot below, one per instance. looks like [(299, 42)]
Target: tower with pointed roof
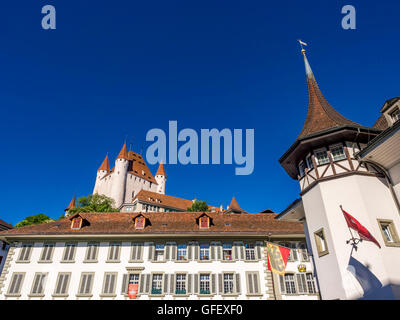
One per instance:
[(127, 178), (161, 178), (323, 159)]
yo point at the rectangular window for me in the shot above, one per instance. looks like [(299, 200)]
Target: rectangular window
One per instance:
[(302, 169), (395, 115), (69, 252), (204, 252), (62, 284), (320, 241), (38, 284), (250, 251), (180, 285), (204, 284), (91, 252), (227, 252), (310, 283), (182, 252), (16, 283), (321, 156), (304, 252), (134, 278), (389, 233), (301, 283), (85, 287), (109, 283), (253, 286), (159, 252), (310, 164), (337, 152), (156, 284), (228, 283), (290, 284), (25, 253), (114, 251), (293, 252), (47, 252)]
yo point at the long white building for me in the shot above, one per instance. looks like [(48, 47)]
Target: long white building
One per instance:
[(177, 255)]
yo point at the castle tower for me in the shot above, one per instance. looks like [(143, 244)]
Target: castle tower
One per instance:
[(323, 160), (119, 177), (70, 206), (101, 172), (161, 179)]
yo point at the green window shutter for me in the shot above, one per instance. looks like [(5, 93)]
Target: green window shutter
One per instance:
[(124, 287), (196, 283), (213, 284), (151, 252), (250, 283), (142, 283), (165, 283), (238, 287)]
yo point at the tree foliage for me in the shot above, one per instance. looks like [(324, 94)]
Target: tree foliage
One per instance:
[(198, 206), (32, 220), (93, 203)]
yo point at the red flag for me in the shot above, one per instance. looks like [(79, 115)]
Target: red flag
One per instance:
[(362, 231), (277, 257)]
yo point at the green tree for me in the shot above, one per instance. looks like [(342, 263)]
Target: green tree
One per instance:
[(198, 206), (93, 203), (35, 219)]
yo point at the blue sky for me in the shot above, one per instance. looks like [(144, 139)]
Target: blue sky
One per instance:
[(120, 68)]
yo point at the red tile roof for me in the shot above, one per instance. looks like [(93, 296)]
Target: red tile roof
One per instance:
[(161, 170), (105, 165), (5, 225), (164, 200), (381, 123), (139, 168), (164, 223), (71, 204), (123, 154)]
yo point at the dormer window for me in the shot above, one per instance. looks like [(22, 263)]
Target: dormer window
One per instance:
[(337, 152), (140, 222), (76, 223), (395, 115), (321, 156), (204, 222)]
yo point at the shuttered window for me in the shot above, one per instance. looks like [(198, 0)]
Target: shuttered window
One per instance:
[(282, 284), (38, 284), (137, 252), (228, 283), (250, 252), (109, 283), (180, 284), (290, 284), (205, 286), (25, 253), (62, 284), (91, 252), (253, 285), (310, 283), (69, 252), (85, 287), (47, 252), (304, 253), (114, 251), (16, 283), (156, 284)]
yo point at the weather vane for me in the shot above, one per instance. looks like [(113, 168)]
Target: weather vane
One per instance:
[(302, 44)]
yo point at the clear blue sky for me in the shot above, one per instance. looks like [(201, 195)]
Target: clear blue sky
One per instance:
[(120, 68)]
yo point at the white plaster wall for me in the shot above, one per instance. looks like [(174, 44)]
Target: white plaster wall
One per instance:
[(367, 199), (395, 175), (102, 266)]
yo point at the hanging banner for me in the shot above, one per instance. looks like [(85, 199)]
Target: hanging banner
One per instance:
[(132, 291), (277, 257)]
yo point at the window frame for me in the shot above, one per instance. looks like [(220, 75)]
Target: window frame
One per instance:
[(184, 282), (82, 294), (185, 256), (161, 281), (233, 283), (320, 150), (66, 294), (18, 293), (206, 248), (294, 284), (317, 238), (48, 245), (43, 284), (393, 232), (117, 246), (209, 283), (224, 249), (309, 164), (70, 245), (250, 250), (302, 169), (395, 112), (94, 244), (28, 259), (334, 146), (114, 287)]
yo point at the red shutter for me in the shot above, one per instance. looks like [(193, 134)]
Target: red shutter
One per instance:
[(140, 222), (204, 222)]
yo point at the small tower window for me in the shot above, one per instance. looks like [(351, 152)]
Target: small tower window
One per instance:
[(302, 169), (395, 115), (337, 152), (76, 223), (322, 156), (204, 222), (310, 164)]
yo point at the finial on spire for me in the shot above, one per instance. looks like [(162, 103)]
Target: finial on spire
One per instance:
[(302, 44)]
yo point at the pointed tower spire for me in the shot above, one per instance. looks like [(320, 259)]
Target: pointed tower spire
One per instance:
[(234, 207), (161, 170), (123, 154), (321, 115), (71, 204), (105, 165)]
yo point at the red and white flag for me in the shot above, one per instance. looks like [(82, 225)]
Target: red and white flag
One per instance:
[(357, 226), (277, 258)]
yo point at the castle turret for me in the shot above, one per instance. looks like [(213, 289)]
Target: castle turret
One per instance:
[(161, 178), (323, 160), (70, 206), (101, 172), (119, 177)]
